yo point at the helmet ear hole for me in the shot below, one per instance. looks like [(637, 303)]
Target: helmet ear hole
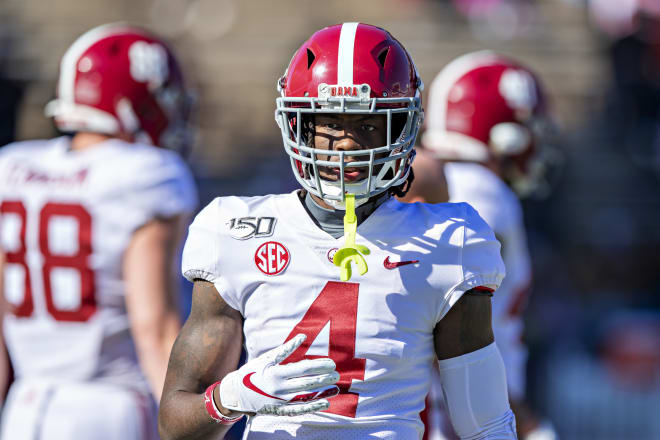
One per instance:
[(310, 58), (382, 56), (114, 49)]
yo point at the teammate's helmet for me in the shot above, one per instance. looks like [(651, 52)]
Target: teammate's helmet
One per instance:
[(350, 68), (485, 106), (117, 79)]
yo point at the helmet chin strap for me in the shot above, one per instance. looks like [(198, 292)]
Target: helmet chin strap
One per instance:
[(350, 252)]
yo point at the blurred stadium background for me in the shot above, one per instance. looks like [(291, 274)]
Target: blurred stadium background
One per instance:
[(593, 321)]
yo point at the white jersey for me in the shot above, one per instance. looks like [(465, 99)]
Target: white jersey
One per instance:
[(499, 206), (66, 218), (269, 260)]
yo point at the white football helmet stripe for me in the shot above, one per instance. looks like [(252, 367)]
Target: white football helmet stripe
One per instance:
[(345, 54)]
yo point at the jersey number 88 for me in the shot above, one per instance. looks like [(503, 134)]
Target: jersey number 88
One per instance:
[(79, 261)]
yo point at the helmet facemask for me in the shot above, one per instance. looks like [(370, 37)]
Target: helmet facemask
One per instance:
[(386, 166)]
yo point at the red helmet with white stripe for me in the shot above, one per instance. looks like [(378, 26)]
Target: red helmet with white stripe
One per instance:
[(351, 68), (484, 106), (120, 80)]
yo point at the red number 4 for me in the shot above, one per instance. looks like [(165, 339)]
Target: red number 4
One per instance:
[(337, 303), (78, 262)]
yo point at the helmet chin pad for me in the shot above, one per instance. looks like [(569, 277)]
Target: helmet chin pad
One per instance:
[(334, 189)]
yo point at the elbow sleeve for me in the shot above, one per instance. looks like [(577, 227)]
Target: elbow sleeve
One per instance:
[(476, 397)]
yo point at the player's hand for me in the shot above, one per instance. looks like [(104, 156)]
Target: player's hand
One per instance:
[(263, 386)]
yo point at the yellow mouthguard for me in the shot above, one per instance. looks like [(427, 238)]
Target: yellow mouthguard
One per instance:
[(350, 252)]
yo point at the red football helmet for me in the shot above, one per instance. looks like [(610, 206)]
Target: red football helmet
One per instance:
[(484, 106), (120, 80), (358, 69)]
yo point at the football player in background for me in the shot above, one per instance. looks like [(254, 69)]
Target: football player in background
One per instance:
[(487, 116), (430, 179), (343, 309), (91, 224)]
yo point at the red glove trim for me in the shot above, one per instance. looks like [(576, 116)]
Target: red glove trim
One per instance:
[(212, 409)]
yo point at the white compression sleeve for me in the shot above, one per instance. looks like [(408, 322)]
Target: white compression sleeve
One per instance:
[(476, 397)]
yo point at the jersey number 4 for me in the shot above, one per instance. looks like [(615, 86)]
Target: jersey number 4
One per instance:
[(337, 304), (53, 261)]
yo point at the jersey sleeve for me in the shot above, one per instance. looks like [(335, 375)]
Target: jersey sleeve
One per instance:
[(201, 253), (480, 259), (162, 187)]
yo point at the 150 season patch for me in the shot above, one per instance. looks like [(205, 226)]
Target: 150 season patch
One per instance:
[(247, 227)]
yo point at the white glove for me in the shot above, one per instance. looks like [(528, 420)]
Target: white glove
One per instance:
[(263, 386)]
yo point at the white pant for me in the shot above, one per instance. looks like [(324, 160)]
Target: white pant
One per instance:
[(47, 410)]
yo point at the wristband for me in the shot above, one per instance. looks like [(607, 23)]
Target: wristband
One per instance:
[(213, 410)]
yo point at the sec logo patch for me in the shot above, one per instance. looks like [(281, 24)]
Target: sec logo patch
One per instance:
[(331, 255), (272, 258)]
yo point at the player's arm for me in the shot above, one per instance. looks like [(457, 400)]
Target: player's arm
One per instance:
[(471, 370), (465, 328), (149, 268), (208, 347)]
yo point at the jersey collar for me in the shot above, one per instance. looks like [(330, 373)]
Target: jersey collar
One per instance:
[(294, 207)]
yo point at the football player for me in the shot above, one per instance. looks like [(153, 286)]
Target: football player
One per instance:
[(342, 295), (486, 118), (90, 229)]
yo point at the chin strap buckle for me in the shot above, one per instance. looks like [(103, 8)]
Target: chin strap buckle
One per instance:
[(350, 252)]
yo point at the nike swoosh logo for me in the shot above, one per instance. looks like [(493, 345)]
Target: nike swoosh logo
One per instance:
[(393, 265), (248, 383), (330, 392)]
